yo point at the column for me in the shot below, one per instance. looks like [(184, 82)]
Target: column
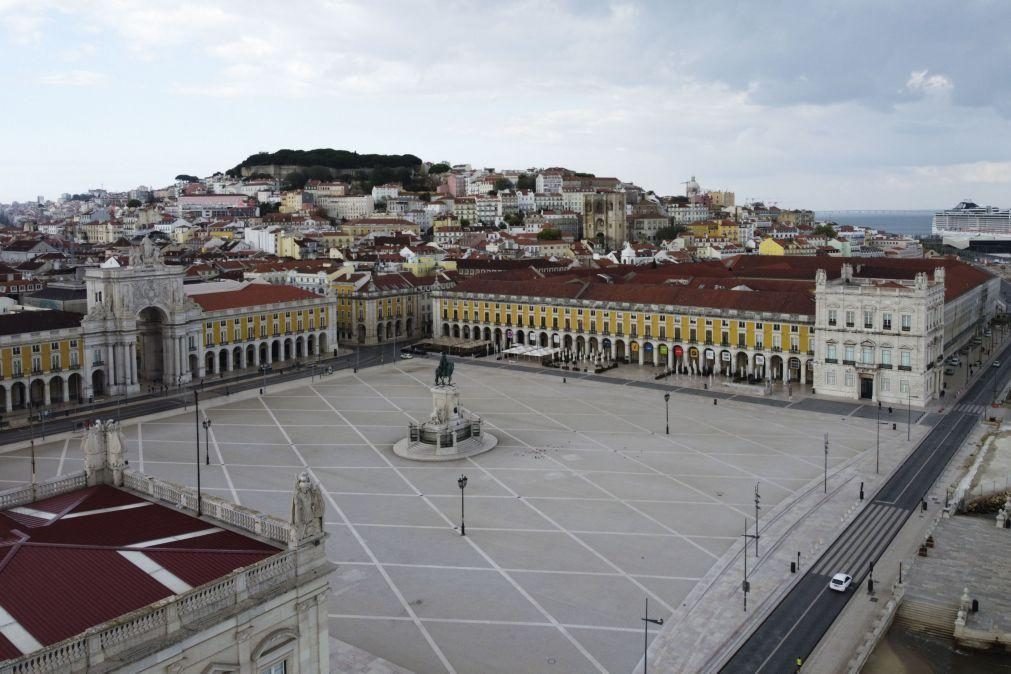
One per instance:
[(8, 403), (642, 355), (269, 354), (66, 389), (110, 367), (132, 354), (803, 373), (231, 361), (670, 357)]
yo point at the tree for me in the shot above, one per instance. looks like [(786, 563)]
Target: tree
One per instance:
[(295, 180), (549, 234), (526, 181), (464, 222), (827, 230), (503, 185), (133, 203), (260, 175), (669, 232), (436, 169), (185, 177)]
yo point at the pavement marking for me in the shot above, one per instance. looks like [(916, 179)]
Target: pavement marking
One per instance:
[(506, 576), (365, 546), (63, 457), (32, 512), (505, 623), (924, 462), (793, 627), (221, 460)]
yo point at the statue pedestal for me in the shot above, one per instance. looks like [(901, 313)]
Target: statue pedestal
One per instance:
[(450, 433)]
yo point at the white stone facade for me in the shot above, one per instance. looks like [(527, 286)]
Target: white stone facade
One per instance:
[(880, 339)]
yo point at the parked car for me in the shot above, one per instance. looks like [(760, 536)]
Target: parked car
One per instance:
[(949, 371), (840, 582), (955, 360), (406, 356)]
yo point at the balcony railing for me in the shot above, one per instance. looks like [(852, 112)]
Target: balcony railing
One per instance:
[(831, 360), (906, 368), (849, 362), (885, 366)]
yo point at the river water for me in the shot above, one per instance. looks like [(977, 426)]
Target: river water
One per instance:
[(911, 223)]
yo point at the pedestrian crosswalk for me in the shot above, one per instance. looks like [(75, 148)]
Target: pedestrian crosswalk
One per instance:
[(970, 408)]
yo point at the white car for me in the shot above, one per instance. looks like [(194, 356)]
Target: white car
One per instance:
[(406, 356), (840, 582)]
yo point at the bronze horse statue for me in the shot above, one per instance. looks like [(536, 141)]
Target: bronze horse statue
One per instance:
[(444, 373)]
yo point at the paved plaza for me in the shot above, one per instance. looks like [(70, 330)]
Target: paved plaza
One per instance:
[(584, 509)]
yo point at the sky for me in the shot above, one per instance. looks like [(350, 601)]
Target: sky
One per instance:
[(808, 104)]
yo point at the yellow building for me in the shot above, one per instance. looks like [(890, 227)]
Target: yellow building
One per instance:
[(770, 246), (291, 202), (263, 324), (41, 353), (376, 308), (743, 335), (714, 229)]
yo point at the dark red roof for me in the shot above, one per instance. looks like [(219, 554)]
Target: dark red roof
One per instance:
[(61, 576), (254, 294)]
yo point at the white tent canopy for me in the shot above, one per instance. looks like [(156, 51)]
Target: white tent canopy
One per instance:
[(531, 351)]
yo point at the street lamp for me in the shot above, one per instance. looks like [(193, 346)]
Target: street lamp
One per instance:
[(196, 412), (666, 400), (462, 483), (877, 451), (909, 410), (646, 620), (758, 499), (207, 441), (826, 463)]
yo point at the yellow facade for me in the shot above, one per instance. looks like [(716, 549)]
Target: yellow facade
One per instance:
[(227, 327), (28, 356), (770, 246), (635, 324)]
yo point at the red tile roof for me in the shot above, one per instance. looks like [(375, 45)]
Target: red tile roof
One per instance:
[(62, 576), (254, 294)]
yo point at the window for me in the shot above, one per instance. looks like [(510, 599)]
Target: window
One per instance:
[(850, 318), (868, 319), (36, 348), (831, 316), (276, 668), (73, 359), (830, 377), (907, 322), (886, 321), (886, 384), (886, 357), (905, 358), (867, 355), (904, 386), (849, 354), (830, 353), (849, 379), (55, 361)]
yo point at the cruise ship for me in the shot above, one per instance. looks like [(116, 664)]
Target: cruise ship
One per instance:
[(970, 218)]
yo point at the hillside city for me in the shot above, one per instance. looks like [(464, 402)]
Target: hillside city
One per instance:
[(218, 394)]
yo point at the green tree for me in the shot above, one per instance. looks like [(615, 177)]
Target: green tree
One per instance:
[(827, 230), (185, 177), (669, 232), (503, 185), (526, 181), (133, 203), (295, 180), (549, 234), (464, 222), (436, 169)]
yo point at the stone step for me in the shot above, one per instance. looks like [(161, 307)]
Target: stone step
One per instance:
[(935, 619)]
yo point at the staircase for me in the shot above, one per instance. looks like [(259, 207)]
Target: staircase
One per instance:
[(924, 616)]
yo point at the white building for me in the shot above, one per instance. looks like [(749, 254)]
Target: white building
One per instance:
[(263, 238), (880, 339), (548, 182), (348, 208), (688, 213), (381, 193)]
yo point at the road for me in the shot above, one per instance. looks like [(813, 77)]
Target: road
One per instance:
[(181, 398), (796, 626)]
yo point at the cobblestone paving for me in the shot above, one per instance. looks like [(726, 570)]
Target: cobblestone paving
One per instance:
[(584, 510)]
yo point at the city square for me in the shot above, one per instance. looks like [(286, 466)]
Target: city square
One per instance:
[(584, 510)]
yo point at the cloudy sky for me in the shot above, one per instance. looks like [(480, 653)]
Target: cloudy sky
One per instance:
[(885, 104)]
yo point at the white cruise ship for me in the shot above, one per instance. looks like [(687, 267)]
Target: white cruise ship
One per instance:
[(970, 218)]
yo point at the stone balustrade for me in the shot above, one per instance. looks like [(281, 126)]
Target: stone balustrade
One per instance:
[(55, 486), (152, 625)]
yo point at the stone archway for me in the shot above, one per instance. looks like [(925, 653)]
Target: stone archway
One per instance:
[(97, 383), (75, 384), (56, 390), (37, 393), (151, 344)]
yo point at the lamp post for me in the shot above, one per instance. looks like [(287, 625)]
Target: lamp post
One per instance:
[(877, 451), (758, 498), (826, 463), (462, 483), (206, 423), (745, 586), (196, 413), (646, 620), (909, 411), (666, 400)]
